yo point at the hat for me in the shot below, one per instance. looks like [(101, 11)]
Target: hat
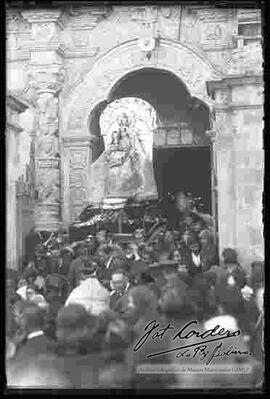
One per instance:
[(72, 315), (229, 255)]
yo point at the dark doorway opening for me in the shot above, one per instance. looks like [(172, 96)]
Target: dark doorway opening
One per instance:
[(183, 169)]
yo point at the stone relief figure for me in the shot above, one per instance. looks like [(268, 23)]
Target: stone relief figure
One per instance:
[(124, 169), (47, 142), (49, 192)]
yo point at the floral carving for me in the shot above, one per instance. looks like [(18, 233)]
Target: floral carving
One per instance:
[(78, 179)]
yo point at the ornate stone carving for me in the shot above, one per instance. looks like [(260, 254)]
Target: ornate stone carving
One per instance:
[(245, 59), (78, 167), (191, 68), (212, 14), (43, 32), (247, 14), (172, 12), (147, 17), (79, 38), (47, 154), (46, 78), (48, 175), (43, 15), (87, 17)]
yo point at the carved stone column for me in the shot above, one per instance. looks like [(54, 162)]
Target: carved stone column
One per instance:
[(46, 76), (14, 108)]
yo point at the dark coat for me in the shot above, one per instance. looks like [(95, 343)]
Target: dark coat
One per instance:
[(32, 348), (136, 267), (187, 260), (74, 271)]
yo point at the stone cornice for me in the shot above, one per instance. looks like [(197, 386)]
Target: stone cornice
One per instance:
[(43, 16), (236, 80), (52, 46), (82, 52), (77, 141), (235, 106), (24, 53)]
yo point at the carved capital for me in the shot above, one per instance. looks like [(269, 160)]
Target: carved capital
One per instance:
[(48, 78), (43, 16)]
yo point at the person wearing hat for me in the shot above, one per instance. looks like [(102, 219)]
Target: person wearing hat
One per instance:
[(120, 286)]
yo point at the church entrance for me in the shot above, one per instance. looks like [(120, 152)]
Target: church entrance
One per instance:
[(183, 157), (183, 169)]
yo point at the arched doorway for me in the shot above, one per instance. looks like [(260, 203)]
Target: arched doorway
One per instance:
[(182, 153)]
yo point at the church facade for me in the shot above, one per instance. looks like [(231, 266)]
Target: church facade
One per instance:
[(68, 62)]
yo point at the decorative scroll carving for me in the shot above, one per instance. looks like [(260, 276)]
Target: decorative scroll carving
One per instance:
[(78, 164)]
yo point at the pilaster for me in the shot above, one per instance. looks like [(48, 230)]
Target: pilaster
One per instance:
[(46, 75)]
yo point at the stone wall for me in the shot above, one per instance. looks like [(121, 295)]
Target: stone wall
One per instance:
[(14, 107), (98, 45)]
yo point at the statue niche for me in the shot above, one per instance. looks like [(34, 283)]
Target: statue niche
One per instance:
[(125, 170)]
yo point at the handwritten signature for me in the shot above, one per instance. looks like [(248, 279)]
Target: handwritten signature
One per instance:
[(198, 349)]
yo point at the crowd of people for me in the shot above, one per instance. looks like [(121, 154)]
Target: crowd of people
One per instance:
[(75, 320)]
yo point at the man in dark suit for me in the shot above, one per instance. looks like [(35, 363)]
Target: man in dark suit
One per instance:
[(34, 344), (33, 321), (120, 285)]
